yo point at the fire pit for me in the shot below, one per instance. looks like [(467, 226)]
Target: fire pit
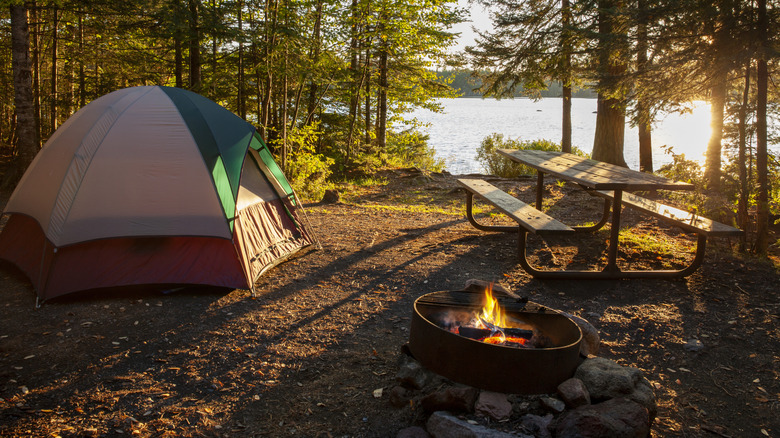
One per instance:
[(500, 344)]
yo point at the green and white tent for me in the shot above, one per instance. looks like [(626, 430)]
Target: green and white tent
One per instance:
[(151, 185)]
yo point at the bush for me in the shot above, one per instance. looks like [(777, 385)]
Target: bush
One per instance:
[(307, 170), (409, 148), (501, 166)]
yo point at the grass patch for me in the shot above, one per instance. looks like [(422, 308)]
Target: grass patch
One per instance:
[(635, 240)]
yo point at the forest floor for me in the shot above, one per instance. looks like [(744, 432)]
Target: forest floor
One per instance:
[(306, 356)]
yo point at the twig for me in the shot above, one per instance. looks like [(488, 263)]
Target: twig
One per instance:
[(715, 381), (715, 431)]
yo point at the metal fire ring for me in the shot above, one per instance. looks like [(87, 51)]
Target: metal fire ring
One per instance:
[(496, 368)]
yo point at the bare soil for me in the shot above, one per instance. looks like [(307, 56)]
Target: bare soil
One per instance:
[(307, 354)]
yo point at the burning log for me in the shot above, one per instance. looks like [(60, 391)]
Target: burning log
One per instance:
[(480, 333)]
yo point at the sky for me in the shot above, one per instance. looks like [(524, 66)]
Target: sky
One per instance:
[(478, 18)]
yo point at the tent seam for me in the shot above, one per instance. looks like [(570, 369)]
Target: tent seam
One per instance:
[(89, 163)]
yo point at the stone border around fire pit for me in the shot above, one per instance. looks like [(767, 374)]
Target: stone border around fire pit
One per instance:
[(603, 398)]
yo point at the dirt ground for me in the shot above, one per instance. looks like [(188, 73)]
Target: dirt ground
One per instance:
[(306, 356)]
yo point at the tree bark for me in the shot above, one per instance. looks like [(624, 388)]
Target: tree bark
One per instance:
[(719, 87), (381, 132), (315, 58), (354, 88), (240, 97), (27, 133), (744, 191), (196, 80), (610, 117), (567, 77), (643, 103), (36, 62), (762, 164), (54, 73), (712, 173), (82, 71), (367, 74)]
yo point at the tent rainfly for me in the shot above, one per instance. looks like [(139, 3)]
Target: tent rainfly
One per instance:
[(151, 185)]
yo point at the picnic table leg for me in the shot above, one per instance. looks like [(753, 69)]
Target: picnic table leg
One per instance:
[(477, 225), (603, 221), (617, 206), (539, 189)]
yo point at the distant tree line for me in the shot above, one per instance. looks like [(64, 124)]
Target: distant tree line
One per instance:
[(466, 84)]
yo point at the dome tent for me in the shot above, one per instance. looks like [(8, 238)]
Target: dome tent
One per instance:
[(151, 185)]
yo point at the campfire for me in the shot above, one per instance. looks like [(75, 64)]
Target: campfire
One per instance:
[(492, 325), (464, 335)]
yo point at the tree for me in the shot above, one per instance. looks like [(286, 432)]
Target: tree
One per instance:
[(28, 143), (611, 65), (532, 43), (762, 201)]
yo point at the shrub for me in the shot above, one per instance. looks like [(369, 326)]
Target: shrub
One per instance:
[(307, 170), (501, 166), (409, 148)]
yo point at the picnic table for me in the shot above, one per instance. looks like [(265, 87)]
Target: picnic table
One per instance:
[(612, 183)]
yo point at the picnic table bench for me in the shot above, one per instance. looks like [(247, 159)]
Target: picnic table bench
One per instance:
[(602, 179)]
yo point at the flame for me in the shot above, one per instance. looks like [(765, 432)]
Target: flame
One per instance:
[(491, 311)]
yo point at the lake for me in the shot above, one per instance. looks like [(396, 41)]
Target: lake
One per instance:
[(456, 133)]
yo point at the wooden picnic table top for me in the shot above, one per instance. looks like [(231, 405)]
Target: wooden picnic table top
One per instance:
[(591, 173)]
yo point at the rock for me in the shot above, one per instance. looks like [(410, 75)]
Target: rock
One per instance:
[(412, 375), (605, 379), (552, 404), (590, 336), (445, 425), (694, 345), (537, 426), (400, 396), (475, 285), (331, 197), (494, 405), (574, 393), (615, 418), (452, 398), (413, 432)]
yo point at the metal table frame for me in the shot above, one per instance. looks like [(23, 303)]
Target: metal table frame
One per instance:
[(596, 175)]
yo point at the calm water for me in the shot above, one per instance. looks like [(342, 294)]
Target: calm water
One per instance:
[(456, 133)]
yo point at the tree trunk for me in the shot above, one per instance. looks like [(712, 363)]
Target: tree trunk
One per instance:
[(214, 51), (367, 75), (54, 73), (196, 80), (315, 59), (178, 61), (718, 88), (36, 62), (566, 81), (762, 167), (354, 88), (610, 117), (744, 192), (82, 56), (712, 172), (27, 132), (643, 104), (381, 132), (566, 120), (240, 97)]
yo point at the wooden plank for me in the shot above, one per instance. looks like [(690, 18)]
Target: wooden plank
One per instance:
[(591, 173), (527, 216), (688, 221)]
